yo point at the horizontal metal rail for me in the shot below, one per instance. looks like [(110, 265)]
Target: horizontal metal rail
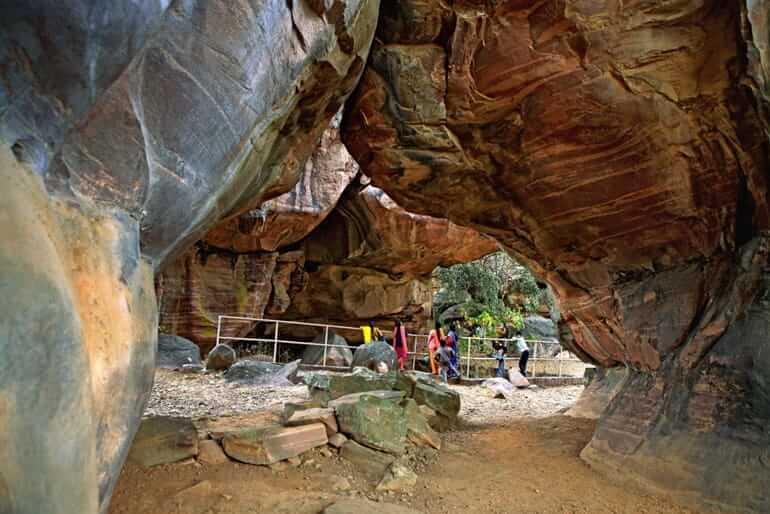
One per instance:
[(478, 341)]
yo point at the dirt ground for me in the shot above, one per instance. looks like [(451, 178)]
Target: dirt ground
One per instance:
[(516, 465)]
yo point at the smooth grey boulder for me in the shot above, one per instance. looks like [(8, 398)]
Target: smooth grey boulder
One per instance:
[(174, 352), (221, 357), (335, 356), (266, 373), (371, 354)]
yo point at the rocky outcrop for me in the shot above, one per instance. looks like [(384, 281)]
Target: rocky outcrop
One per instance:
[(128, 130), (346, 258), (620, 151)]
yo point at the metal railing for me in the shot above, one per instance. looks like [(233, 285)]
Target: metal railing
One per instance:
[(418, 341)]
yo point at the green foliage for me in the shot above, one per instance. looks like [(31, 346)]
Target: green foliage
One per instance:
[(478, 291)]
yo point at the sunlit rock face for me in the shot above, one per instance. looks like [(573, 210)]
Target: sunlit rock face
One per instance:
[(127, 131), (619, 149)]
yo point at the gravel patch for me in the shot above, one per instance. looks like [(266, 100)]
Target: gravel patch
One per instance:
[(198, 395), (480, 407)]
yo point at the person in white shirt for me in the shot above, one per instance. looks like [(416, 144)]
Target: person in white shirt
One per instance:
[(523, 349)]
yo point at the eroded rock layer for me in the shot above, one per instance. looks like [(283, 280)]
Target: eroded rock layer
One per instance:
[(128, 130), (343, 257), (620, 150)]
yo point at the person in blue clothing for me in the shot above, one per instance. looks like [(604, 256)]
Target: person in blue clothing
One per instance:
[(453, 342)]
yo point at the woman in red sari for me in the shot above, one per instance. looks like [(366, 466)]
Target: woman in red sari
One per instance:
[(399, 343)]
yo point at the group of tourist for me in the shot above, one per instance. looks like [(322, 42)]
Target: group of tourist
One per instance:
[(443, 349)]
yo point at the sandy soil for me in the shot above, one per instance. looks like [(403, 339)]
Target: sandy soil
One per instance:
[(529, 466)]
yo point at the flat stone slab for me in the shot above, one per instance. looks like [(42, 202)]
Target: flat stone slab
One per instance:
[(316, 415), (393, 396), (371, 463), (265, 446), (218, 427), (163, 440), (329, 386)]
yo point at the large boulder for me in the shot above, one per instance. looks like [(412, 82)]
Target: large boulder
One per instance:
[(541, 328), (264, 373), (220, 357), (339, 355), (371, 355), (376, 422), (137, 128), (438, 397), (174, 352), (324, 386), (163, 440)]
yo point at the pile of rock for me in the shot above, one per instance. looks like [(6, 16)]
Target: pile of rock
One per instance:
[(370, 419)]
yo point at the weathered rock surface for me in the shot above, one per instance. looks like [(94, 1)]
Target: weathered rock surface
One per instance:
[(398, 478), (128, 130), (162, 440), (315, 415), (221, 357), (174, 352), (284, 265), (289, 218), (267, 445), (539, 327), (621, 152), (339, 354), (438, 397), (371, 463), (373, 354), (268, 373), (418, 429), (209, 452), (598, 393), (374, 422), (327, 386)]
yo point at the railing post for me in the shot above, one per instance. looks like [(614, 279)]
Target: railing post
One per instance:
[(559, 366), (326, 342), (414, 353), (275, 343), (219, 327), (468, 365), (534, 360)]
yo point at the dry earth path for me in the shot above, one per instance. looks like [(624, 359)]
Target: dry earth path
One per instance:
[(516, 457)]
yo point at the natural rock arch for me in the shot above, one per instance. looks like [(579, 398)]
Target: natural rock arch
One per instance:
[(620, 150)]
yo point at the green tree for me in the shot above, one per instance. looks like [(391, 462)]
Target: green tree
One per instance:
[(478, 290)]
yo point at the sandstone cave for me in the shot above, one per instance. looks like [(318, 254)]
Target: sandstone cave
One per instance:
[(165, 162)]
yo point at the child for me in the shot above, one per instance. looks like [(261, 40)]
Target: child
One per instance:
[(444, 359)]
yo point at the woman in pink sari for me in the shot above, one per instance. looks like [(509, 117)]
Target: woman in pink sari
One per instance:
[(399, 343)]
